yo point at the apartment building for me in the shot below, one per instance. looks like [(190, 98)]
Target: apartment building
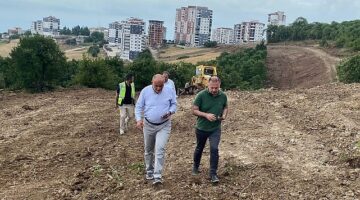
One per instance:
[(156, 33), (277, 18), (248, 32), (49, 26), (193, 25), (114, 33), (15, 31), (129, 35), (223, 35)]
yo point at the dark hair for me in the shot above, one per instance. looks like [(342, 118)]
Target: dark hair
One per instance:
[(166, 72), (129, 77)]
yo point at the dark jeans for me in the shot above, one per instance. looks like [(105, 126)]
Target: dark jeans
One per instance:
[(214, 139)]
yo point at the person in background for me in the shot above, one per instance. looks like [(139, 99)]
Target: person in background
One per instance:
[(153, 112), (168, 82), (125, 100), (211, 107)]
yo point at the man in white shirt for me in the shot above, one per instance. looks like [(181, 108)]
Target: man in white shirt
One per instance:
[(168, 82), (153, 112)]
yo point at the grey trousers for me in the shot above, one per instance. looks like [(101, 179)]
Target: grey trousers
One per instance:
[(155, 140)]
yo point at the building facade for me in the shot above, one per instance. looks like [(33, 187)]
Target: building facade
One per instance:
[(15, 31), (277, 18), (156, 33), (248, 32), (129, 36), (223, 35), (49, 26), (193, 25)]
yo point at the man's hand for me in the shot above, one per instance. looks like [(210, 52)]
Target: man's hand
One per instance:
[(139, 125), (166, 116), (211, 117)]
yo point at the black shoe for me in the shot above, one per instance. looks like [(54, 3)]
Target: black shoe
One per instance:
[(214, 179), (195, 171)]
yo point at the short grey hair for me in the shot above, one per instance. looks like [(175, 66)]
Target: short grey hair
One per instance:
[(214, 79)]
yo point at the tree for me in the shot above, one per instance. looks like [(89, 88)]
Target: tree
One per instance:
[(84, 31), (96, 73), (65, 31), (76, 30), (349, 70), (210, 44), (37, 63), (143, 67), (94, 50)]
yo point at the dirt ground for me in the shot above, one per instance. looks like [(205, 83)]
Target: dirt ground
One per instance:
[(300, 143), (194, 55), (299, 67)]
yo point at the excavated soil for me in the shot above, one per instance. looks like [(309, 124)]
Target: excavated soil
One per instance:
[(276, 144), (299, 67), (294, 144)]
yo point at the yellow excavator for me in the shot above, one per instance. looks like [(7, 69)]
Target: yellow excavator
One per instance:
[(200, 80)]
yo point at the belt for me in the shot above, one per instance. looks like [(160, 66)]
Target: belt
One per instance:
[(155, 124)]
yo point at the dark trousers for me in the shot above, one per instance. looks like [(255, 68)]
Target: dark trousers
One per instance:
[(214, 140)]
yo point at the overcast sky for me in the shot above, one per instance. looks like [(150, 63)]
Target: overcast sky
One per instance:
[(226, 13)]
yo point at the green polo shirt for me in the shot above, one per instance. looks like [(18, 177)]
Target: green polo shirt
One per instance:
[(210, 104)]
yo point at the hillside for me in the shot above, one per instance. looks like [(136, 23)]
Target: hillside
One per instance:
[(295, 144), (71, 52), (298, 139)]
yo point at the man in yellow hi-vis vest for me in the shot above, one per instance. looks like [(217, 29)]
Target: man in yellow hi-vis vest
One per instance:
[(125, 100)]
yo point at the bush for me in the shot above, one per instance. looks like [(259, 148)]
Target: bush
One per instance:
[(244, 69), (94, 50), (96, 74), (349, 70), (182, 57), (210, 44)]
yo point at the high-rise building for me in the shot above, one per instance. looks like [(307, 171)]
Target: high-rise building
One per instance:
[(248, 32), (193, 25), (114, 33), (156, 33), (130, 36), (49, 26), (277, 18), (223, 35)]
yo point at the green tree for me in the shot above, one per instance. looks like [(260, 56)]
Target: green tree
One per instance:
[(143, 67), (349, 70), (76, 30), (94, 50), (65, 31), (84, 31), (38, 63), (96, 73), (210, 44)]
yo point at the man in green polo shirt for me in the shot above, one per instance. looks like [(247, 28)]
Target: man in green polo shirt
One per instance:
[(210, 107)]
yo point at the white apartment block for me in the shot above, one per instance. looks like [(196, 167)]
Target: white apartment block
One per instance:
[(248, 32), (15, 31), (49, 26), (223, 35), (193, 25), (130, 36), (277, 18)]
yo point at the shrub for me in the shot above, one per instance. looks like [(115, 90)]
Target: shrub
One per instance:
[(349, 70)]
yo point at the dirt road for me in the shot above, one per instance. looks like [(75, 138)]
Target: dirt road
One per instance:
[(299, 67), (294, 144)]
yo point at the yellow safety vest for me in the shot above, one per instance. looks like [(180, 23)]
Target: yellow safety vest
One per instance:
[(122, 91)]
